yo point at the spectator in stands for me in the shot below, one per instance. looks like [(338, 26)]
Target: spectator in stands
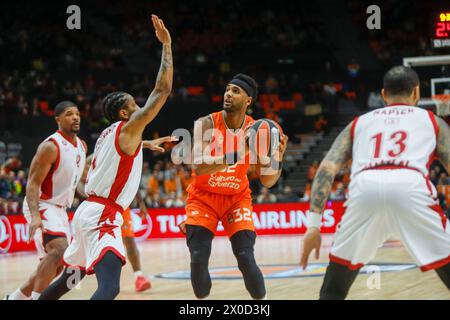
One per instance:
[(153, 184), (338, 194), (321, 124), (266, 196), (306, 193), (375, 100), (443, 180), (12, 164), (433, 176), (5, 186), (154, 200), (288, 195), (312, 170), (172, 201)]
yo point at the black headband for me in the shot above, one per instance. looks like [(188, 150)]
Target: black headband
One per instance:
[(245, 86)]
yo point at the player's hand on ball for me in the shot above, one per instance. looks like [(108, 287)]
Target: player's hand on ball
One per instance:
[(282, 148), (155, 144), (162, 33), (35, 224), (311, 241)]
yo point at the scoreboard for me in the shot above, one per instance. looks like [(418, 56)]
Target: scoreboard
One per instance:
[(441, 30)]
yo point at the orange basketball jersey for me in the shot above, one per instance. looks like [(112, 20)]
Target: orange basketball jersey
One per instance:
[(233, 179)]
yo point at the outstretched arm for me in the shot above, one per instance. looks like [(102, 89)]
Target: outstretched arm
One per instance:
[(131, 134), (335, 159)]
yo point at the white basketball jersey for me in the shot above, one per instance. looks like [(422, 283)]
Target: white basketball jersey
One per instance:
[(61, 182), (397, 135), (113, 174)]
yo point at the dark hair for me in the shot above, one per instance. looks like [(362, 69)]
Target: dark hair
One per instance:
[(60, 107), (112, 103), (247, 83), (400, 81)]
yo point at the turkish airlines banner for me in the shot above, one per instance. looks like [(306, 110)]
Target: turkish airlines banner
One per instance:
[(269, 219)]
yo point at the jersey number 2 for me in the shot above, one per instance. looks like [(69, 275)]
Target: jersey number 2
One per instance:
[(398, 138)]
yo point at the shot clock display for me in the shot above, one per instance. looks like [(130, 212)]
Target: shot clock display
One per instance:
[(441, 31)]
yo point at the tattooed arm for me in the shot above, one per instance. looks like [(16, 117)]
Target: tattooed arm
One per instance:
[(338, 155), (131, 133), (443, 143)]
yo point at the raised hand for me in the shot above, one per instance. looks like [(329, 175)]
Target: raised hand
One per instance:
[(162, 33)]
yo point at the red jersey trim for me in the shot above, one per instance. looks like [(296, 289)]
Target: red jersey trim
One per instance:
[(398, 104), (75, 144), (90, 269), (435, 265), (346, 263), (434, 122), (47, 184), (353, 128), (116, 143), (437, 208), (68, 265)]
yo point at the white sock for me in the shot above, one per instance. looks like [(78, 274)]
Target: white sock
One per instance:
[(138, 274), (18, 295), (35, 295)]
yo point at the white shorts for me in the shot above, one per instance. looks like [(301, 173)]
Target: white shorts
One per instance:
[(96, 230), (392, 204), (54, 220)]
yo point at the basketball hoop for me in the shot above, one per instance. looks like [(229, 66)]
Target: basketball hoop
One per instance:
[(442, 104)]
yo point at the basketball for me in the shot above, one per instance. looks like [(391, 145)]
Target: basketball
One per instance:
[(264, 137)]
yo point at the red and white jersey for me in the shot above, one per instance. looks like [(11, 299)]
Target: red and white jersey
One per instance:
[(397, 135), (61, 181), (113, 174)]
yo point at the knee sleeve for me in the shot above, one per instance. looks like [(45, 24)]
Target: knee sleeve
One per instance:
[(199, 240), (337, 282), (242, 243)]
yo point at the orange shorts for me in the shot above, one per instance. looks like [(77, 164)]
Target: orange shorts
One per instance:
[(205, 209), (127, 226)]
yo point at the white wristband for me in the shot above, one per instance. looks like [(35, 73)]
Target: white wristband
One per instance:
[(314, 220)]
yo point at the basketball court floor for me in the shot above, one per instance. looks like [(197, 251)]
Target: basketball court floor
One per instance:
[(167, 263)]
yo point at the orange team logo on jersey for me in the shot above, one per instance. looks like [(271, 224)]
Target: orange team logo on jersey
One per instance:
[(233, 179)]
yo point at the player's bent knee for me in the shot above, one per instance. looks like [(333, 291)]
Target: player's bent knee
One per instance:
[(242, 243)]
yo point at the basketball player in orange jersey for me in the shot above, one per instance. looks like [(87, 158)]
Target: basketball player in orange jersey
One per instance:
[(220, 189), (390, 194), (54, 174)]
